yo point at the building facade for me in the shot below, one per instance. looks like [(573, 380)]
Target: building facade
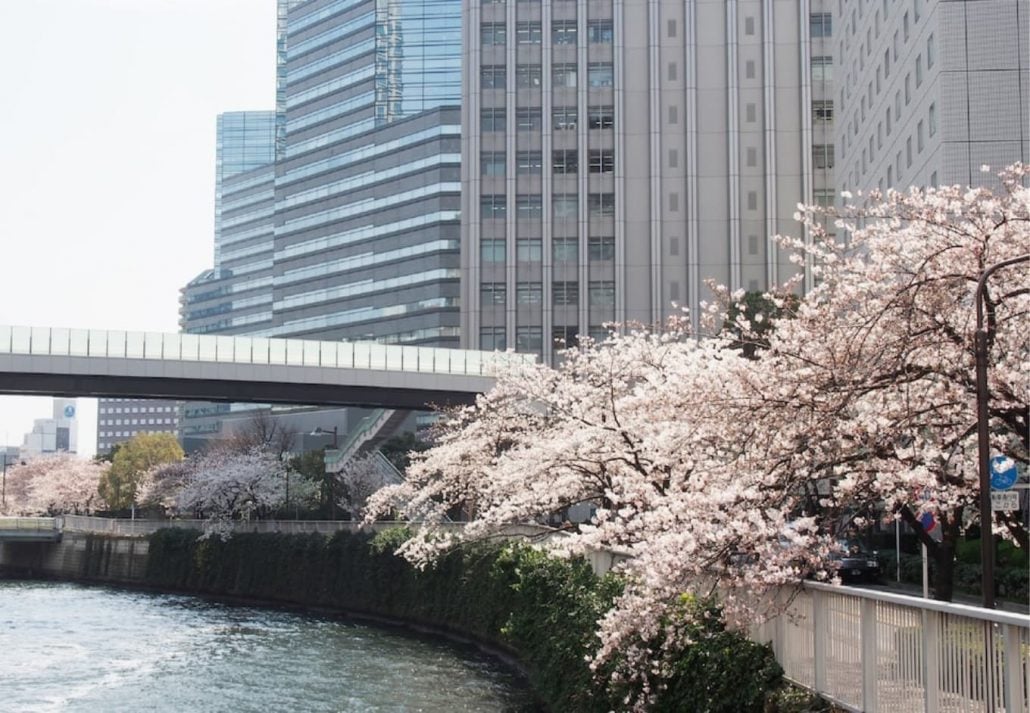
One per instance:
[(617, 154), (58, 434), (931, 91), (118, 420)]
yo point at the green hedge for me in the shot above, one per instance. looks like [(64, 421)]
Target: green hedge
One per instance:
[(542, 609), (1010, 582)]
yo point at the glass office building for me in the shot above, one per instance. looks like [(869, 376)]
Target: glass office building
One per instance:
[(245, 140), (367, 192)]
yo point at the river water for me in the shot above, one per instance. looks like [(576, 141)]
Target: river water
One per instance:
[(65, 647)]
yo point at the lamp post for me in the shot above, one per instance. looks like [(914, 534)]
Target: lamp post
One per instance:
[(319, 431), (984, 333)]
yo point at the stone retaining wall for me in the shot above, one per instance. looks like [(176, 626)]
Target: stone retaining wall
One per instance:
[(83, 557)]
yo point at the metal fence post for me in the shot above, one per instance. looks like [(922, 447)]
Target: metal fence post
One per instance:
[(931, 665), (869, 656), (1013, 669), (819, 639)]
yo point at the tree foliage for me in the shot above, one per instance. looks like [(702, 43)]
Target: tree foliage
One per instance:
[(53, 485), (713, 471), (134, 458)]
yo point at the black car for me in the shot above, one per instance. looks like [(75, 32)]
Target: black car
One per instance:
[(855, 563)]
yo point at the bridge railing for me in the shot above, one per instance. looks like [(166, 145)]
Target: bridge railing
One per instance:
[(56, 341), (29, 524), (876, 651)]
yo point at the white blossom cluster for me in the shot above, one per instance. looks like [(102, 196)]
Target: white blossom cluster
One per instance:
[(56, 484)]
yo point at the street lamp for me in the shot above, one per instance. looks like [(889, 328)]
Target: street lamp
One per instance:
[(983, 337), (319, 431)]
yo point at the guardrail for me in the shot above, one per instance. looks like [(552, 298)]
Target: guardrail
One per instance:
[(874, 651), (29, 524)]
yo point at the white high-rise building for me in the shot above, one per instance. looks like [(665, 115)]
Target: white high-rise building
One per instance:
[(54, 435), (618, 153), (930, 90)]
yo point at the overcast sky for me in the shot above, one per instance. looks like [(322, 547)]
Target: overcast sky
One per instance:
[(107, 159)]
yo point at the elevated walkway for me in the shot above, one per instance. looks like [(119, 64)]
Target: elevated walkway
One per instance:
[(115, 363)]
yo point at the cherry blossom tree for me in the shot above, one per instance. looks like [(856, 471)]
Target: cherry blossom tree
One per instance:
[(360, 478), (716, 473), (53, 485), (223, 486)]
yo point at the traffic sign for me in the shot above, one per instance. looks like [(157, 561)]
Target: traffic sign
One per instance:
[(1004, 500), (1003, 473)]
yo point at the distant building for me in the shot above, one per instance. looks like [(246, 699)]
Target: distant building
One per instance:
[(931, 90), (118, 420), (59, 434)]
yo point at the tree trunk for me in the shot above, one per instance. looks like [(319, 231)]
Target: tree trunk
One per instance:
[(944, 559)]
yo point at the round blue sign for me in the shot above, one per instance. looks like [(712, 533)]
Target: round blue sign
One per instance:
[(1003, 473), (69, 411)]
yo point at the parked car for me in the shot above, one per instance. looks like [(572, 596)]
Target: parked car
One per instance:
[(855, 563)]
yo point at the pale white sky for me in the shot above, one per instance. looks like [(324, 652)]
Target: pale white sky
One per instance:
[(107, 160)]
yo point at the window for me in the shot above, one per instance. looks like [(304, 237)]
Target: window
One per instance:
[(529, 206), (565, 250), (493, 206), (528, 33), (492, 250), (671, 28), (749, 69), (564, 32), (563, 75), (822, 68), (749, 26), (529, 293), (600, 32), (672, 71), (529, 250), (822, 110), (929, 52), (565, 207), (493, 34), (602, 161), (920, 139), (601, 117), (492, 76), (528, 76), (919, 71), (908, 152), (565, 293), (932, 119), (565, 337), (915, 10), (601, 205), (493, 293), (823, 197), (529, 339), (886, 63), (897, 105), (602, 293), (491, 338), (565, 161), (904, 25), (820, 24), (600, 74), (528, 119), (750, 113), (528, 163), (601, 248), (491, 163), (564, 118), (822, 155), (908, 89), (890, 176), (492, 120)]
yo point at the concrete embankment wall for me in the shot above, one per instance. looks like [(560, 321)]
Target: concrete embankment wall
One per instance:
[(78, 557)]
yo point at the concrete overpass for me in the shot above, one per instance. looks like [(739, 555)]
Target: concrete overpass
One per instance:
[(54, 361)]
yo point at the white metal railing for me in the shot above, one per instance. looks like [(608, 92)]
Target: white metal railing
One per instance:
[(56, 341), (877, 651), (28, 524)]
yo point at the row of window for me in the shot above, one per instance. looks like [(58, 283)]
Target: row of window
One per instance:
[(138, 409), (530, 163), (601, 293), (563, 118), (563, 32), (600, 248), (139, 422), (924, 127), (495, 206), (121, 434), (531, 339), (530, 76)]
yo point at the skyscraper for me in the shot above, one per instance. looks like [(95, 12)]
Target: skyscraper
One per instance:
[(617, 154), (931, 90)]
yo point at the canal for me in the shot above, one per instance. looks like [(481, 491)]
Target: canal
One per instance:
[(65, 647)]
